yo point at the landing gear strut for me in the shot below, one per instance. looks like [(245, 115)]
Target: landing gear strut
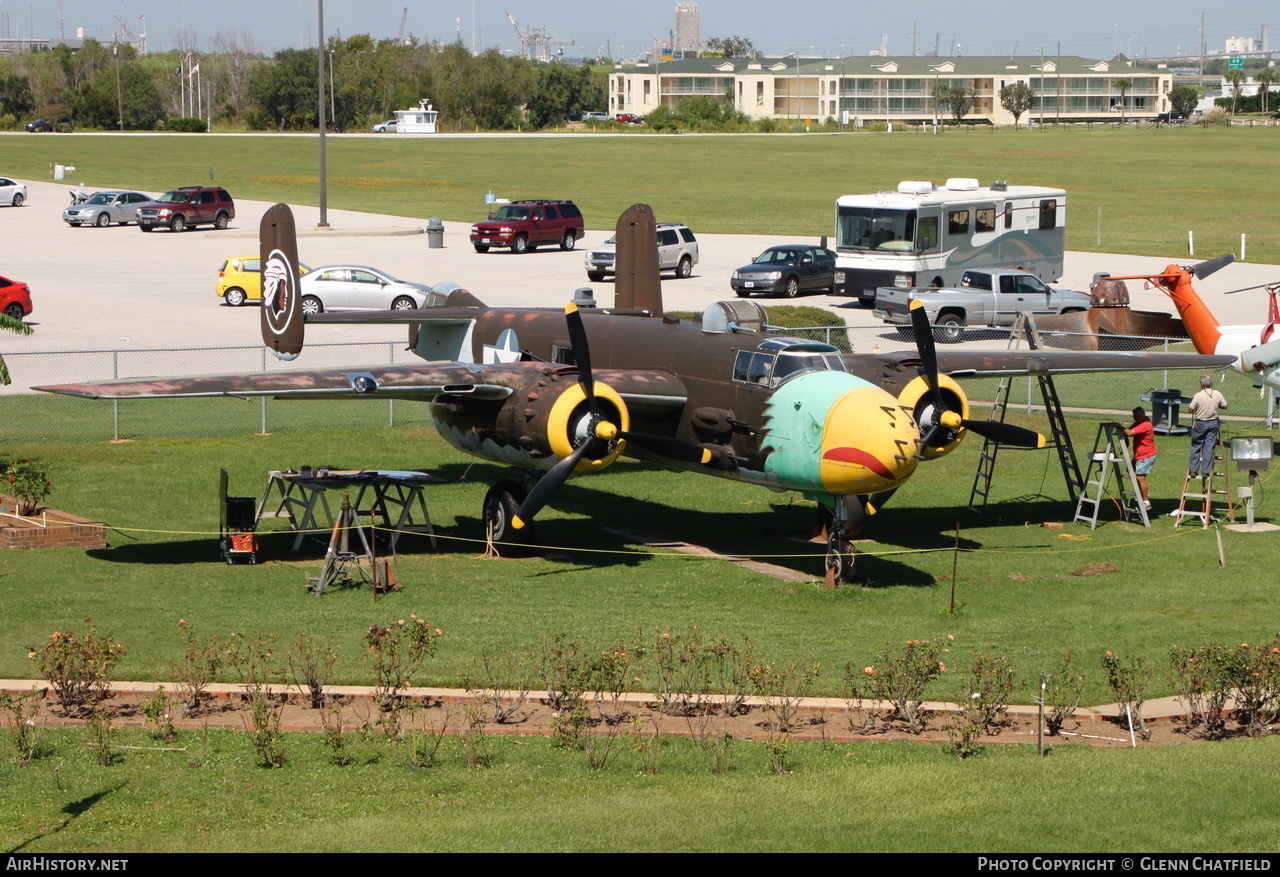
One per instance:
[(838, 527), (500, 506)]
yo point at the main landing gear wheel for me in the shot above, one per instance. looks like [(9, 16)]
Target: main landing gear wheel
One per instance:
[(841, 561), (500, 506)]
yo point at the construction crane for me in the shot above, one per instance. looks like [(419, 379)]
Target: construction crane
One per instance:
[(404, 19), (536, 40)]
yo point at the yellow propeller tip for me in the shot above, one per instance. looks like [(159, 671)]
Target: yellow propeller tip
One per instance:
[(516, 523), (570, 308), (915, 303), (1041, 442), (706, 457)]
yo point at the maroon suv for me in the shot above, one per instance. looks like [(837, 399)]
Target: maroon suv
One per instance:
[(522, 225), (188, 207)]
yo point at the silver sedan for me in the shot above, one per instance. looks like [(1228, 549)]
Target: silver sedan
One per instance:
[(358, 287), (104, 208), (12, 192)]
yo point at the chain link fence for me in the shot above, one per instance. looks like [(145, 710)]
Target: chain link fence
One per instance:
[(40, 417)]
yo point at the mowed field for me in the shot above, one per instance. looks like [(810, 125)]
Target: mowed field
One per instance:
[(1129, 190), (1017, 594)]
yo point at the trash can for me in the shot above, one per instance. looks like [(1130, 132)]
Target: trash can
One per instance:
[(1165, 405), (435, 233)]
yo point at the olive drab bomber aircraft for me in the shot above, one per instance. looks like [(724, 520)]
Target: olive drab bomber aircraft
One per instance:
[(553, 393)]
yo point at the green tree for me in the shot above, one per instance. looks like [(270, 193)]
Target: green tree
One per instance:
[(558, 88), (956, 99), (284, 93), (122, 95), (728, 47), (1235, 78), (15, 94), (1266, 77), (1183, 99), (1122, 85), (1017, 99), (11, 324)]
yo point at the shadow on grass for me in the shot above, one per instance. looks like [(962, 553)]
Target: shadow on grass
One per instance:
[(73, 810)]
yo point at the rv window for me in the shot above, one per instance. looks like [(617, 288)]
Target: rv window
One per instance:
[(927, 233), (958, 222), (866, 228), (1048, 214), (984, 219), (1008, 215)]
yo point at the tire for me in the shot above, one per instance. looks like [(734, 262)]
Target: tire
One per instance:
[(595, 276), (482, 248), (792, 289), (949, 329), (841, 561), (867, 302), (684, 270), (14, 310), (404, 303), (520, 244), (178, 223), (146, 228), (500, 506), (743, 293), (221, 221), (17, 199), (235, 296), (312, 305), (568, 241), (103, 220)]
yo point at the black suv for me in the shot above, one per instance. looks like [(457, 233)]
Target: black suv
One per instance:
[(522, 225), (188, 207)]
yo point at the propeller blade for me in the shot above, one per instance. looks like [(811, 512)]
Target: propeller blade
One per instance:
[(1005, 433), (581, 352), (1201, 270), (672, 448), (924, 342), (547, 486)]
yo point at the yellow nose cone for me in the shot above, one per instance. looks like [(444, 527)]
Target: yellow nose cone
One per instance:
[(868, 443)]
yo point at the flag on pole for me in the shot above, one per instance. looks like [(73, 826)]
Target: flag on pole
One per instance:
[(195, 69)]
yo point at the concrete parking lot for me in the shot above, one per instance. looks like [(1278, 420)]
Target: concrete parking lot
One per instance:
[(117, 288)]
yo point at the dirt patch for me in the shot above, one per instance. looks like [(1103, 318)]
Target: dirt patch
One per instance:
[(826, 720)]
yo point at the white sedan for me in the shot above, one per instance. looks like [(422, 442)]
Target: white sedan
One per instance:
[(12, 192), (358, 287)]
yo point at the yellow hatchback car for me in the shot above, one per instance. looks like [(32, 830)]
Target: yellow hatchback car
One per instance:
[(240, 279)]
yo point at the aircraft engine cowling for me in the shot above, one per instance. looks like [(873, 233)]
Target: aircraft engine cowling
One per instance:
[(917, 398), (570, 422)]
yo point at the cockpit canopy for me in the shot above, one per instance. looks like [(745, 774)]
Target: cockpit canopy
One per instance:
[(779, 359)]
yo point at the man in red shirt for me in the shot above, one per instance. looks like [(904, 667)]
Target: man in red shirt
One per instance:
[(1144, 450)]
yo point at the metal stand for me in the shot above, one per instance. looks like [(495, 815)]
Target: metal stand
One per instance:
[(340, 559), (1111, 456), (236, 524)]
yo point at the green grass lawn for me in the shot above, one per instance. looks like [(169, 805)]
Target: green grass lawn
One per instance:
[(1016, 591), (1129, 190), (865, 797)]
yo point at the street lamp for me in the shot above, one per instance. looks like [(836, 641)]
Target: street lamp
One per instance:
[(324, 162)]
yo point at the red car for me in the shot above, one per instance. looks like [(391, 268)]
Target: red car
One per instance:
[(15, 298)]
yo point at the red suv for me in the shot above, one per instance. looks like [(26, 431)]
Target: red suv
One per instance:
[(522, 225), (188, 207)]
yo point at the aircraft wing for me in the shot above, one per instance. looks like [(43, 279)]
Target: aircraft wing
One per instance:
[(992, 363), (654, 389)]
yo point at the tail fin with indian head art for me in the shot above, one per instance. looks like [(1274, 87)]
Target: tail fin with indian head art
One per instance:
[(282, 324)]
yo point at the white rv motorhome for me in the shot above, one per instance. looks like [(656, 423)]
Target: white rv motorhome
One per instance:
[(927, 235), (419, 121)]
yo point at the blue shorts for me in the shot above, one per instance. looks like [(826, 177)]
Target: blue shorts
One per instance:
[(1145, 465)]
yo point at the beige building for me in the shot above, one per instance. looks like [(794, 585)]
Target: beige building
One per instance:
[(895, 89)]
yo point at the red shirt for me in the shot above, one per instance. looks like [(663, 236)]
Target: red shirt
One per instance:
[(1144, 440)]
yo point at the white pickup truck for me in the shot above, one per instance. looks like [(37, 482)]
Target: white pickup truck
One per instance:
[(992, 297)]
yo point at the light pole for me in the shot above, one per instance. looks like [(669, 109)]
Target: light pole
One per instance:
[(324, 163)]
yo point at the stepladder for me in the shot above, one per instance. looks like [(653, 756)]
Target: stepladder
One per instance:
[(1198, 492), (1111, 459)]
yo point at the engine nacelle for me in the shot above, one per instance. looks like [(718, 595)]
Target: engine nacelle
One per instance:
[(917, 398), (539, 424)]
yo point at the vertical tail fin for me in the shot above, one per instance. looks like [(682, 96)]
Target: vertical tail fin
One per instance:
[(282, 324), (1201, 324), (636, 281)]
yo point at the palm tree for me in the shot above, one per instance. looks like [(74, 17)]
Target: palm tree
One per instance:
[(1122, 86), (1235, 77), (12, 325), (1265, 78)]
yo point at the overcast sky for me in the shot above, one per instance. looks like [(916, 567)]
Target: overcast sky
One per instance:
[(1089, 28)]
